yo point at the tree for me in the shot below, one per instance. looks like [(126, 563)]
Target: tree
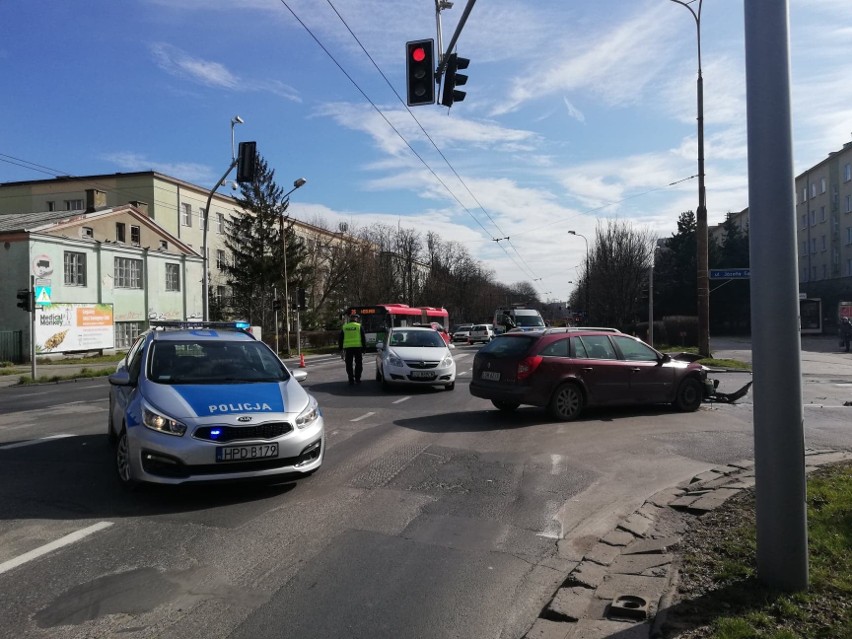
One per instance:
[(262, 244), (730, 301), (675, 274)]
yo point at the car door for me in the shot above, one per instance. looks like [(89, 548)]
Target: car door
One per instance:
[(650, 381), (605, 377), (121, 395)]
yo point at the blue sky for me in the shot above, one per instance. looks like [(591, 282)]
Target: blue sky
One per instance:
[(576, 112)]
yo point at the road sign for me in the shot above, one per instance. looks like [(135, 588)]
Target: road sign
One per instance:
[(42, 295), (730, 273)]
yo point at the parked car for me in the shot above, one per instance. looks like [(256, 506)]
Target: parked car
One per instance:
[(569, 369), (480, 333), (207, 401), (417, 356), (462, 332)]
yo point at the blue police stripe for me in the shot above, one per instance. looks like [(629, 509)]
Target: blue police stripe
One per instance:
[(229, 399)]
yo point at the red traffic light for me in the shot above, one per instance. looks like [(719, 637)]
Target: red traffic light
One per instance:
[(418, 54)]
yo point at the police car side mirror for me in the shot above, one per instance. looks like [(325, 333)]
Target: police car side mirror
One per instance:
[(120, 378), (299, 376)]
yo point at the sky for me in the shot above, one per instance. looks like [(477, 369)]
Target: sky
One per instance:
[(577, 113)]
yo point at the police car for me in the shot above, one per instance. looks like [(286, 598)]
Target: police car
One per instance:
[(206, 401)]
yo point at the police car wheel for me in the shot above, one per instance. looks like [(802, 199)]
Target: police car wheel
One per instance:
[(122, 461)]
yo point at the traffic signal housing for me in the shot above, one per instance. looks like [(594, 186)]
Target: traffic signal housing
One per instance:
[(25, 299), (420, 71), (303, 302), (453, 79), (247, 162)]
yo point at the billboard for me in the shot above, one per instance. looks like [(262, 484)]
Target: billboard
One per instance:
[(62, 328)]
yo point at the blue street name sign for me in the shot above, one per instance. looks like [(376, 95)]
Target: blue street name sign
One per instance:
[(730, 273)]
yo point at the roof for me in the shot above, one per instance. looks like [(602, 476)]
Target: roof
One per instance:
[(34, 221)]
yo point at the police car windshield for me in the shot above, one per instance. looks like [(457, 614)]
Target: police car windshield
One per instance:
[(214, 362)]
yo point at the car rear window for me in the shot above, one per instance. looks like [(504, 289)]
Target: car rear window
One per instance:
[(513, 345)]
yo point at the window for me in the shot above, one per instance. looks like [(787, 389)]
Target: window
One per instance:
[(164, 245), (804, 221), (203, 217), (825, 271), (172, 277), (813, 190), (51, 205), (135, 236), (804, 247), (812, 217), (87, 231), (598, 347), (813, 245), (804, 194), (220, 222), (847, 172), (128, 273), (822, 214), (849, 234), (822, 185), (849, 267), (120, 232), (220, 259), (556, 349), (848, 205), (126, 333), (634, 351), (187, 214), (73, 205), (75, 268), (823, 242)]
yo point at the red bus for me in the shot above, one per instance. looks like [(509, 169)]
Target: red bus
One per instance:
[(377, 319)]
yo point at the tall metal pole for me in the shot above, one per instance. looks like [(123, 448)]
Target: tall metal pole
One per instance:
[(779, 449), (205, 284), (296, 185), (703, 282), (588, 277)]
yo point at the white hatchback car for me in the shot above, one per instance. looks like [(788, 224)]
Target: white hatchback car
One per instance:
[(480, 333), (415, 355)]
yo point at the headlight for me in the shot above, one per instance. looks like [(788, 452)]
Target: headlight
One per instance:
[(447, 361), (309, 415), (162, 424), (394, 360)]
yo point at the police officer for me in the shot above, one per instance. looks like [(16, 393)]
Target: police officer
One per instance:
[(352, 342)]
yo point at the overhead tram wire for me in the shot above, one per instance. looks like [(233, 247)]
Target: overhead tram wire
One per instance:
[(395, 130)]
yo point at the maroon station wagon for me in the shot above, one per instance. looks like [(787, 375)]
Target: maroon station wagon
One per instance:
[(568, 369)]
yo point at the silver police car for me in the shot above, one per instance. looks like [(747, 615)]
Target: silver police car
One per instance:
[(206, 401)]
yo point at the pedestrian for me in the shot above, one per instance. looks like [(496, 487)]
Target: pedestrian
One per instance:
[(352, 342), (845, 333)]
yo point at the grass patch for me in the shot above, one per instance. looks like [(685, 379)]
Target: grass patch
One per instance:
[(85, 373), (720, 596)]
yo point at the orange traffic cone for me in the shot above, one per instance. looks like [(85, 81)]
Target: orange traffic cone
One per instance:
[(301, 360)]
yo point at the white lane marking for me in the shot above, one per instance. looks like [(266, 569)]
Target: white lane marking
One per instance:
[(365, 416), (33, 441), (59, 543), (402, 399), (460, 373), (555, 464)]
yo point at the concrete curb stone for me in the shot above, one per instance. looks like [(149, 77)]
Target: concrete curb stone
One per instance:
[(639, 556)]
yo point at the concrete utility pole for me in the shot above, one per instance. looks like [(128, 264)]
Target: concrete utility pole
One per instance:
[(779, 448)]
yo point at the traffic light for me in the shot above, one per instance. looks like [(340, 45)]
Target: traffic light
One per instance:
[(247, 162), (420, 71), (303, 303), (276, 304), (25, 299), (452, 79)]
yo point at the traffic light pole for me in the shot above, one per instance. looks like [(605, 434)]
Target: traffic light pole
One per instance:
[(32, 326), (443, 63)]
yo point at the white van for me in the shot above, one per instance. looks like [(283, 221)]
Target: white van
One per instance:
[(525, 319)]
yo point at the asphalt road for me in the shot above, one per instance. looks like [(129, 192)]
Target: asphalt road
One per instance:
[(433, 516)]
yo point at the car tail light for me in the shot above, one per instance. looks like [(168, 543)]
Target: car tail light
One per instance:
[(527, 366)]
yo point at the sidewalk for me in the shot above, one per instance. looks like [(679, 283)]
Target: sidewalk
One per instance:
[(623, 586)]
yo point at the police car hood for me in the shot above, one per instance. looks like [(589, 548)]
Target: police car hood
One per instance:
[(201, 401), (428, 353)]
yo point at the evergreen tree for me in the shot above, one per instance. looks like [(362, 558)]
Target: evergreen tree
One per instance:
[(730, 304), (262, 244), (675, 271)]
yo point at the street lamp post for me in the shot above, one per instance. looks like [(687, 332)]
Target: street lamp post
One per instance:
[(588, 275), (205, 277), (234, 121), (296, 185), (701, 213)]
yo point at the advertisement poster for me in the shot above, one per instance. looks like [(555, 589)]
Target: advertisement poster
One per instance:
[(62, 328)]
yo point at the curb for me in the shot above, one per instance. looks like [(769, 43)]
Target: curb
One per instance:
[(625, 584)]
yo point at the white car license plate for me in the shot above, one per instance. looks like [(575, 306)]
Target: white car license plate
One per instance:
[(491, 376), (422, 374), (246, 453)]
